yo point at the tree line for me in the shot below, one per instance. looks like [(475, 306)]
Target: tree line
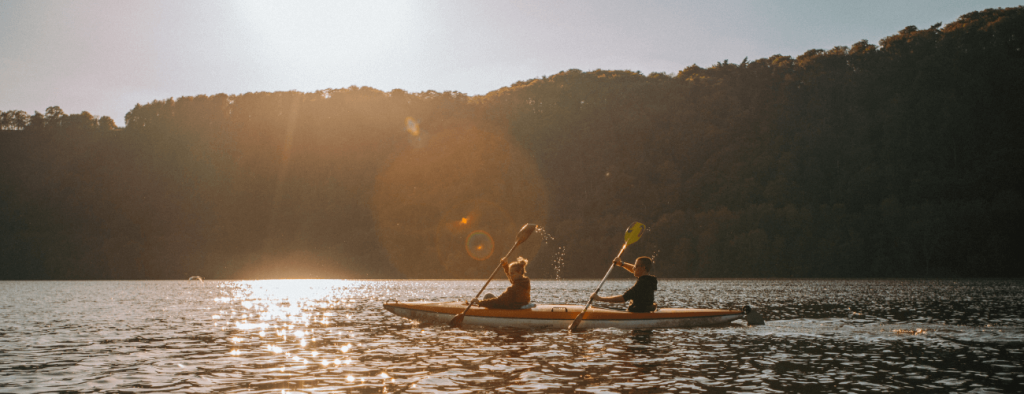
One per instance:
[(53, 120), (900, 159)]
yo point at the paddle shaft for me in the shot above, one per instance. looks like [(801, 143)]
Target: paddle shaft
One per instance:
[(576, 323)]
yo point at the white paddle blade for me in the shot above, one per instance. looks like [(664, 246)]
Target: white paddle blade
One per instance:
[(525, 232)]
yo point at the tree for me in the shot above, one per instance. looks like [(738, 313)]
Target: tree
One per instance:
[(107, 124), (54, 118), (901, 159), (80, 122), (13, 120), (37, 122)]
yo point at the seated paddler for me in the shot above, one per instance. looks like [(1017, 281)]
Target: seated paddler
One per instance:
[(641, 295), (515, 296)]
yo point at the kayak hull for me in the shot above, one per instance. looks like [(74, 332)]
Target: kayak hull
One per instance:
[(561, 316)]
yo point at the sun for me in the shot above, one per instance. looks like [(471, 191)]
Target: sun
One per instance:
[(291, 43)]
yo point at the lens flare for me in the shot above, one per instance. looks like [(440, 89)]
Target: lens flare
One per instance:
[(479, 245), (418, 213), (412, 126)]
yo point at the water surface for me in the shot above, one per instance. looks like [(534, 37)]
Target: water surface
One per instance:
[(334, 336)]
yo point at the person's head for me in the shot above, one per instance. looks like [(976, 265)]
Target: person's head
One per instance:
[(643, 266), (517, 269)]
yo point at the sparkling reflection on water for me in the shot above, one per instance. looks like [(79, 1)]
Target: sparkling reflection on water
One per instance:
[(333, 335)]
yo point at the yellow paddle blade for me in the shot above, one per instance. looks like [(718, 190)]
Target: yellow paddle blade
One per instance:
[(634, 232)]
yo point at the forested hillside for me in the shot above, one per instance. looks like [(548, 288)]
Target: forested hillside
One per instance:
[(902, 159)]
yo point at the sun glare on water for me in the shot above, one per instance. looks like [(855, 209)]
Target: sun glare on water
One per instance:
[(289, 320)]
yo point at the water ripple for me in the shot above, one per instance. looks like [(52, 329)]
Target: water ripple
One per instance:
[(319, 336)]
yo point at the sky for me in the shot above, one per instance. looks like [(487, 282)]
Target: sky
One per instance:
[(105, 56)]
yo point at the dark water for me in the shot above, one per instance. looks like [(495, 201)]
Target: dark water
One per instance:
[(334, 336)]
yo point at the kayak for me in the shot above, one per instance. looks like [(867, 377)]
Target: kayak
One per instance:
[(561, 316)]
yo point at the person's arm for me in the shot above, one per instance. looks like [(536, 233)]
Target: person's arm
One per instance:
[(629, 267), (504, 266), (617, 298), (489, 303)]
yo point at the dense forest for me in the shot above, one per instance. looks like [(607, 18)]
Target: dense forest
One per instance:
[(901, 159)]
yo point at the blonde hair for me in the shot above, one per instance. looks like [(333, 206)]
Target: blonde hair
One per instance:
[(519, 262)]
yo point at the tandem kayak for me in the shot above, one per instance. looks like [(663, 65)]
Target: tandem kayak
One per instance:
[(561, 316)]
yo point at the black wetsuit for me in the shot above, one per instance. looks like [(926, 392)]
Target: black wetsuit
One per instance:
[(641, 294)]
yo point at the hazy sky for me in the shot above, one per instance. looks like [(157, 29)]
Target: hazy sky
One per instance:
[(106, 56)]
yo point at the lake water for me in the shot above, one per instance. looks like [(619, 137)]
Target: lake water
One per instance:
[(334, 336)]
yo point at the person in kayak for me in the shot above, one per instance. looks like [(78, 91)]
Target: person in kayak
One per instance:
[(641, 295), (515, 296)]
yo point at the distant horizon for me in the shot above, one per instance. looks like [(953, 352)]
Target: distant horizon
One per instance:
[(105, 57)]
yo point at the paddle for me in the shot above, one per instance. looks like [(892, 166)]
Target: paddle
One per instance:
[(633, 234), (524, 233)]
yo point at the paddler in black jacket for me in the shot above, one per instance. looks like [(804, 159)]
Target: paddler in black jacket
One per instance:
[(641, 295)]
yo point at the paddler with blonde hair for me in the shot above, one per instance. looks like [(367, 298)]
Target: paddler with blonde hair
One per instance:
[(515, 296)]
